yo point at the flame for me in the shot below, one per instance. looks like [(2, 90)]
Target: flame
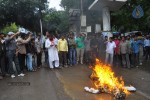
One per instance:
[(103, 77)]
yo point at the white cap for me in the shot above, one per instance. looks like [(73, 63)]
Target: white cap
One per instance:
[(10, 33), (22, 30)]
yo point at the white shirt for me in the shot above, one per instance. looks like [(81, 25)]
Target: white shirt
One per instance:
[(110, 47)]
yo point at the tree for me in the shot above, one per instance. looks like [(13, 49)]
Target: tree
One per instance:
[(56, 20), (10, 28), (124, 18), (64, 24), (28, 13), (24, 12)]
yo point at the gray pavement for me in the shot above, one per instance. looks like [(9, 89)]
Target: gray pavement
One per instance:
[(77, 77), (43, 86), (69, 83)]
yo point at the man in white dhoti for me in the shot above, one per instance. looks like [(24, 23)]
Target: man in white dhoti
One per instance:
[(51, 45)]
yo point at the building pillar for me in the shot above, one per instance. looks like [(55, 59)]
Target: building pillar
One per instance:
[(106, 19)]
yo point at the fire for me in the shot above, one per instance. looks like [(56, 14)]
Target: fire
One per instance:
[(103, 77)]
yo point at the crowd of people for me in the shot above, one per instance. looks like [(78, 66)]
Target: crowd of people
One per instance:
[(19, 50), (24, 52), (129, 51)]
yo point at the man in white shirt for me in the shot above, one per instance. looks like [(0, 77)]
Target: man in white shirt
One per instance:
[(110, 46)]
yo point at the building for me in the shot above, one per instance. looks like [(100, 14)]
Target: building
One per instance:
[(95, 17)]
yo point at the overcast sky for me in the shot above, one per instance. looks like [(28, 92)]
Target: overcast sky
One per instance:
[(55, 4)]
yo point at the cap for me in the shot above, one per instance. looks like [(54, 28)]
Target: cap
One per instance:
[(22, 30), (10, 33)]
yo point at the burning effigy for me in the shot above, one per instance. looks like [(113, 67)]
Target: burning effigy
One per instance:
[(105, 81)]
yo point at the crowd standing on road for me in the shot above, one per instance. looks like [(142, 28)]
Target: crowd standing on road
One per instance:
[(24, 52), (131, 50)]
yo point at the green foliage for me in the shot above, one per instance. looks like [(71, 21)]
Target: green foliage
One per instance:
[(27, 13), (56, 20), (52, 17), (64, 24), (67, 4), (123, 17), (23, 12), (12, 27)]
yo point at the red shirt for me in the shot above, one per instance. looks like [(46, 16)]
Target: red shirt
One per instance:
[(117, 42)]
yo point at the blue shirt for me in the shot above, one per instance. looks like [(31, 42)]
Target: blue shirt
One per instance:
[(131, 41), (146, 42), (135, 45)]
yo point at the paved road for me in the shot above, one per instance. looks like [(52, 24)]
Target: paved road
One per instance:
[(43, 86), (68, 84), (76, 78)]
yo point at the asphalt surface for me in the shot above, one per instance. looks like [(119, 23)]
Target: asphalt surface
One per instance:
[(77, 77), (68, 84), (44, 85)]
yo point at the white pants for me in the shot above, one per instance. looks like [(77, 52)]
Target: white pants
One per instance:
[(56, 63)]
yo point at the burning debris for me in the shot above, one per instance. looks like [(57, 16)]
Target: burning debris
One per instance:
[(105, 82)]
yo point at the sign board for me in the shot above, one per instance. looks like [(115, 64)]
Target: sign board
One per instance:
[(83, 20), (138, 12), (97, 28), (88, 28)]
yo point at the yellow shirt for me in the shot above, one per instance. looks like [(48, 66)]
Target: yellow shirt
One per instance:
[(62, 45)]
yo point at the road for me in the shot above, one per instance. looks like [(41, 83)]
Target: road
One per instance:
[(44, 85), (76, 78), (69, 83)]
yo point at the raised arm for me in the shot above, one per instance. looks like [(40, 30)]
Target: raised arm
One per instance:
[(25, 41), (13, 36)]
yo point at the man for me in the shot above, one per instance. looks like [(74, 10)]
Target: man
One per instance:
[(72, 50), (2, 56), (12, 54), (129, 41), (94, 46), (21, 41), (110, 46), (87, 54), (124, 51), (51, 45), (38, 47), (31, 51), (116, 55), (80, 47), (63, 49), (147, 48), (135, 45), (45, 49)]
